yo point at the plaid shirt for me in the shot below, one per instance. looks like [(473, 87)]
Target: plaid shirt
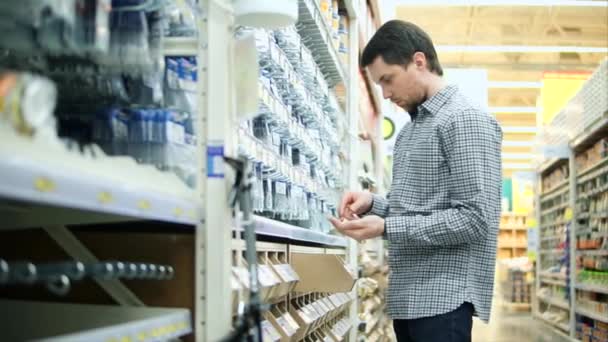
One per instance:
[(443, 209)]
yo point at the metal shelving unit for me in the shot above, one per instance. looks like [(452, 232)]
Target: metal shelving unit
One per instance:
[(318, 38), (41, 189), (268, 227), (25, 321), (591, 99)]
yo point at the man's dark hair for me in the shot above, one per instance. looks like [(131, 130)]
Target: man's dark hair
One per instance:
[(397, 41)]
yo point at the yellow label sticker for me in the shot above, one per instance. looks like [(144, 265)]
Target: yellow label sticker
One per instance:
[(531, 222), (144, 205), (568, 215), (44, 184), (178, 212), (105, 197)]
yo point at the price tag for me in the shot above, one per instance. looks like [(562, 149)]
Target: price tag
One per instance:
[(291, 321), (281, 188), (568, 215), (305, 316), (44, 184), (313, 312)]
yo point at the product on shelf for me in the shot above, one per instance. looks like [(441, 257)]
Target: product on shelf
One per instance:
[(515, 279), (589, 158), (27, 103), (374, 323), (56, 27), (294, 141), (589, 330), (595, 303), (555, 178)]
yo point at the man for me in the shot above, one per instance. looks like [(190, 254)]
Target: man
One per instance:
[(442, 212)]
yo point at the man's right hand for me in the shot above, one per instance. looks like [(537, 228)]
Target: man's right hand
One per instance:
[(355, 203)]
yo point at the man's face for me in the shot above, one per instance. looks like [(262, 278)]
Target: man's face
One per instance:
[(401, 84)]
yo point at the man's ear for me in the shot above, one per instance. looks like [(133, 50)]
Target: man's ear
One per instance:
[(419, 60)]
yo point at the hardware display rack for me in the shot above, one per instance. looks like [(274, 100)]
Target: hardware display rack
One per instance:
[(301, 123), (94, 206), (572, 261)]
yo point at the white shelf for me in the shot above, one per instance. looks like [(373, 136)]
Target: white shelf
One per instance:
[(601, 163), (553, 281), (563, 327), (108, 189), (554, 209), (180, 46), (554, 237), (265, 226), (591, 133), (553, 275), (557, 302), (593, 252), (548, 164), (554, 224), (592, 314), (559, 189), (24, 321), (592, 288), (597, 171), (317, 37), (551, 251)]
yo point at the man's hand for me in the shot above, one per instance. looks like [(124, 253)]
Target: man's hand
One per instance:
[(368, 227), (355, 203)]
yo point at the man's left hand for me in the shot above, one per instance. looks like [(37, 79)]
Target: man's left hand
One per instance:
[(364, 228)]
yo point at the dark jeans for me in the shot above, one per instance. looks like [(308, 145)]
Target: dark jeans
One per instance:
[(454, 326)]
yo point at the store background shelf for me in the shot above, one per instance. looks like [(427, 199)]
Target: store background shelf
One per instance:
[(598, 316), (553, 282), (577, 219), (23, 321), (562, 326), (592, 288), (560, 303)]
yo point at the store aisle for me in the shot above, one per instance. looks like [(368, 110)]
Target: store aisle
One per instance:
[(510, 327)]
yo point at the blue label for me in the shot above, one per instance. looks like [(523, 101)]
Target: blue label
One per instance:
[(215, 161)]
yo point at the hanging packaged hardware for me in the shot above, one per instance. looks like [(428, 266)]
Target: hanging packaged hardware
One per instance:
[(27, 102), (72, 26)]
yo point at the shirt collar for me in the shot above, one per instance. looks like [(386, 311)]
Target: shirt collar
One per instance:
[(434, 104)]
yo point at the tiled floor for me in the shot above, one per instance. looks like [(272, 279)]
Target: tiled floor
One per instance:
[(513, 327)]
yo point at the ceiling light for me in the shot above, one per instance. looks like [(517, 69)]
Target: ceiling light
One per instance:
[(520, 49)]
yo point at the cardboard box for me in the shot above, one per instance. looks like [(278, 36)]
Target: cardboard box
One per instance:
[(313, 268), (269, 333), (289, 278), (303, 318), (282, 324)]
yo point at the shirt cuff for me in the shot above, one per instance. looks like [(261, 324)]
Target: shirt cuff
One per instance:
[(396, 229), (379, 206)]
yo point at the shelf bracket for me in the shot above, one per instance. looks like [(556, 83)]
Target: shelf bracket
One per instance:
[(70, 243)]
